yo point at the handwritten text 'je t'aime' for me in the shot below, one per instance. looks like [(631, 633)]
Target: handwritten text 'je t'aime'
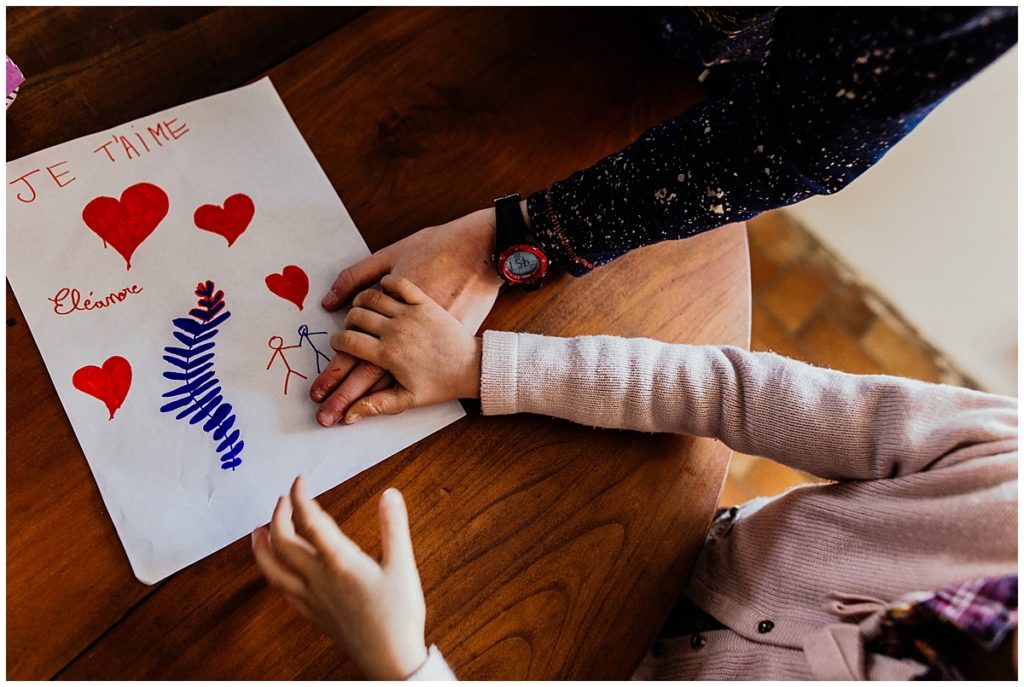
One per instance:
[(121, 147)]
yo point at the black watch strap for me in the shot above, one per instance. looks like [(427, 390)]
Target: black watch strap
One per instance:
[(511, 227)]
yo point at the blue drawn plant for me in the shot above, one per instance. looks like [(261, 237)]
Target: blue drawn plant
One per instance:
[(200, 390)]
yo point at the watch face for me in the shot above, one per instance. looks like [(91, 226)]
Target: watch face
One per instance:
[(522, 263)]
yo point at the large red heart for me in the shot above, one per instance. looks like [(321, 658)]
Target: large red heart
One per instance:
[(126, 223), (109, 383), (230, 220), (292, 284)]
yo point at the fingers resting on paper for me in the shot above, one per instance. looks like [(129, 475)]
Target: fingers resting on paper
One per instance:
[(451, 264)]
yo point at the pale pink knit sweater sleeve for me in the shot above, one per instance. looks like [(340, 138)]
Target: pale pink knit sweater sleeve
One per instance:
[(834, 425)]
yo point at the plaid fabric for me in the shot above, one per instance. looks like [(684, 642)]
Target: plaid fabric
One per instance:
[(985, 610)]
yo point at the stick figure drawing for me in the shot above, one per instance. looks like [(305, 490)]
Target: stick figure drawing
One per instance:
[(276, 344), (304, 335)]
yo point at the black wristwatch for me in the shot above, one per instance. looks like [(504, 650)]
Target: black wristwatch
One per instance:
[(518, 256)]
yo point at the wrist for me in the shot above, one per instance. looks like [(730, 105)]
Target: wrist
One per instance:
[(410, 665), (470, 386), (482, 235)]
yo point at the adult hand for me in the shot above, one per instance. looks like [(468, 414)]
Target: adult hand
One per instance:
[(451, 263), (429, 353), (375, 611)]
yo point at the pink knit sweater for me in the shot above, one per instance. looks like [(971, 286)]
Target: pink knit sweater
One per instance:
[(925, 492)]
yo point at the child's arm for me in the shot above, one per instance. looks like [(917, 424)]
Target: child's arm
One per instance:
[(375, 611), (828, 423)]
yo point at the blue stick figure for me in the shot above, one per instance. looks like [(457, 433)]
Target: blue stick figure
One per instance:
[(304, 335)]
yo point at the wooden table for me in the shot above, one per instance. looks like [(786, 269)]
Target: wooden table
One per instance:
[(558, 563)]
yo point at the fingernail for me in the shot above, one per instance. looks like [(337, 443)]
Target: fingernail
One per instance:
[(330, 300), (392, 495), (326, 419), (352, 419), (319, 393)]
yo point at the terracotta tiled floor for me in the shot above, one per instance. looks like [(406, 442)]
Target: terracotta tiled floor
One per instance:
[(808, 306)]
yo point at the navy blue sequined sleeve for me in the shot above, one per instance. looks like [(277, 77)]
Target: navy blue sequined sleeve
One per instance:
[(830, 92)]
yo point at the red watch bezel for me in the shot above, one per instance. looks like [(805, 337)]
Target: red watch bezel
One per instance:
[(537, 274)]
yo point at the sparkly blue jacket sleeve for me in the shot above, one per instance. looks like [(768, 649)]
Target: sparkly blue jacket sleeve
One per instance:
[(829, 92)]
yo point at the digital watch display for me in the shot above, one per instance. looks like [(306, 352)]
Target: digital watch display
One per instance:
[(522, 263), (519, 258)]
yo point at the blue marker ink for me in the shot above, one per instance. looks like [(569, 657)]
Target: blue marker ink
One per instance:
[(200, 390), (304, 335)]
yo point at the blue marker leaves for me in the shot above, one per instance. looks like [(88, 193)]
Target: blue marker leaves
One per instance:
[(199, 393)]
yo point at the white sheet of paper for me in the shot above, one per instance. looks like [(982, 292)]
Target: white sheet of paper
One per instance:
[(161, 478)]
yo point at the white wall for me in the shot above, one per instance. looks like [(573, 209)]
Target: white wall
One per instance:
[(933, 226)]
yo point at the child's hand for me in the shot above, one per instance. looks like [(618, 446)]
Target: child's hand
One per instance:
[(375, 611), (429, 353)]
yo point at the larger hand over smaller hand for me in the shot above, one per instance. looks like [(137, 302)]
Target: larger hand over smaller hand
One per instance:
[(429, 353), (452, 263)]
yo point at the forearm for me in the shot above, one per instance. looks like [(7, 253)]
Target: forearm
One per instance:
[(835, 89), (827, 423)]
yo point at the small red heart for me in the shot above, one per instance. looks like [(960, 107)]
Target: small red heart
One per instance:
[(109, 383), (126, 223), (292, 284), (230, 220)]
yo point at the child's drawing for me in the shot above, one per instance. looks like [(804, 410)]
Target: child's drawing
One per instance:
[(305, 337), (230, 171), (200, 390), (276, 344), (292, 284), (126, 223), (229, 220), (109, 383)]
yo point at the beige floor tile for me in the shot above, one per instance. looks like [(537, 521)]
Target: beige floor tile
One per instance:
[(762, 269), (767, 334), (849, 309), (798, 292), (831, 347), (779, 238), (899, 354)]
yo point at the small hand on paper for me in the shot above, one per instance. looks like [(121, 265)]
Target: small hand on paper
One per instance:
[(432, 357), (375, 611), (452, 263)]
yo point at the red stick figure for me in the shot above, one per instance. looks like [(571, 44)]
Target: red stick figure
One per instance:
[(279, 348)]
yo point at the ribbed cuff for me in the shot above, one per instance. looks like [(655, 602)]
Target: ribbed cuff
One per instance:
[(499, 366), (434, 668), (553, 239)]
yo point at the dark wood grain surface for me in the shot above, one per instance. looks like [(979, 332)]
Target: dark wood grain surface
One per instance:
[(91, 68), (545, 549)]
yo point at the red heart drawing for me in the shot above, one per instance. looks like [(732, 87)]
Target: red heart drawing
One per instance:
[(126, 223), (109, 383), (292, 284), (230, 220)]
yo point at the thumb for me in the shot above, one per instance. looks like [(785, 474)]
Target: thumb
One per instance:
[(387, 402), (396, 541), (359, 276)]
